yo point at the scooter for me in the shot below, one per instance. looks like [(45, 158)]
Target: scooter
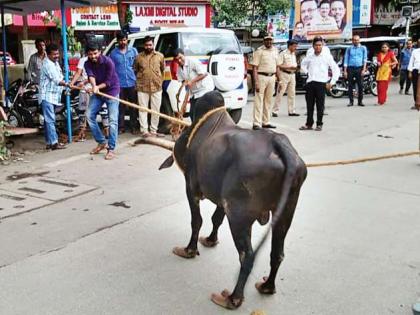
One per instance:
[(24, 109), (341, 87)]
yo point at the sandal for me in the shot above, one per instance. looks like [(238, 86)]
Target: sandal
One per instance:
[(99, 148), (305, 128), (109, 155)]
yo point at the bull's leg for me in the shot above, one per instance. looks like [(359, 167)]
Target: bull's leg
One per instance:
[(191, 250), (217, 219), (267, 286), (241, 232)]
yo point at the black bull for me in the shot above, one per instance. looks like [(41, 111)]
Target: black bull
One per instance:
[(247, 174)]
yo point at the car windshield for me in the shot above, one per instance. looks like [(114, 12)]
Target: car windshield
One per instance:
[(199, 44)]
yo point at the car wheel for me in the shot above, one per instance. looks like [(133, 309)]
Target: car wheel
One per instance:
[(166, 108), (236, 114)]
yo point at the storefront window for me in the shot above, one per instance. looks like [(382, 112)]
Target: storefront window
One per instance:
[(167, 44)]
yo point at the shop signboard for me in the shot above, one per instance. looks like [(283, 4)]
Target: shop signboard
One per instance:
[(331, 20), (95, 18), (385, 15), (361, 12), (147, 15), (38, 19)]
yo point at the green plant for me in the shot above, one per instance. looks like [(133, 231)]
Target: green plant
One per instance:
[(251, 13), (73, 45), (4, 151)]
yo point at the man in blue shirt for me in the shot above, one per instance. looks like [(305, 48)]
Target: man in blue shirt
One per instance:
[(355, 60), (123, 58), (404, 61)]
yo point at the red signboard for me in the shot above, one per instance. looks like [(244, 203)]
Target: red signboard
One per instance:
[(37, 19)]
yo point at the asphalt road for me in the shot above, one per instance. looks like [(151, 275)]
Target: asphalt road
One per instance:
[(95, 237)]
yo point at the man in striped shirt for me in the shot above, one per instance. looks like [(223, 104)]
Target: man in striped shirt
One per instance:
[(50, 90)]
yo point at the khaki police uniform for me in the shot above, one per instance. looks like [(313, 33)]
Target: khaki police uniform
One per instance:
[(265, 59), (287, 81)]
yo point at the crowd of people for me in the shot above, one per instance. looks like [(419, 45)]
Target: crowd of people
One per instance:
[(126, 75), (138, 78), (322, 73)]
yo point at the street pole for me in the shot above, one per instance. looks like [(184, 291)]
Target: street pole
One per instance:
[(66, 67), (5, 80), (407, 28)]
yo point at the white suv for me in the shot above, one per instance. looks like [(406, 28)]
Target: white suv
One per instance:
[(218, 49)]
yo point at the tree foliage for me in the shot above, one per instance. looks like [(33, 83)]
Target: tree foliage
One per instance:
[(250, 13)]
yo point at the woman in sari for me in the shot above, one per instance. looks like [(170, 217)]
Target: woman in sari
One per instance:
[(386, 62)]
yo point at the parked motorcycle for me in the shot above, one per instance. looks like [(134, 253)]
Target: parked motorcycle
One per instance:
[(340, 88), (25, 111)]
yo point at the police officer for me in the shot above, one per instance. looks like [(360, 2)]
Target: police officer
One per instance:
[(287, 64), (264, 72)]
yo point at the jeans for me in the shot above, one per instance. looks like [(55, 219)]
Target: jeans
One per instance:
[(95, 105), (50, 132)]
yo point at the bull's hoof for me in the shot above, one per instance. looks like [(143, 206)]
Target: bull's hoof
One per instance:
[(223, 299), (185, 252), (206, 242), (263, 288)]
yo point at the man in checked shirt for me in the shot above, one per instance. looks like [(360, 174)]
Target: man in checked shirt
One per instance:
[(50, 89)]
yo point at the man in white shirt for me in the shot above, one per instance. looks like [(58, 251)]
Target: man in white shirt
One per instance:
[(317, 66), (413, 71), (35, 61), (193, 75)]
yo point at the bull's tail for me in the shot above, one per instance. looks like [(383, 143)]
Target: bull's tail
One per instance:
[(294, 167)]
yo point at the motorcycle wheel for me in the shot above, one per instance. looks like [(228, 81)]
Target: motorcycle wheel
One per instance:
[(374, 88), (336, 93), (15, 120)]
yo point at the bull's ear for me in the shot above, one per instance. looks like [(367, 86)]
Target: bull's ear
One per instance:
[(167, 163)]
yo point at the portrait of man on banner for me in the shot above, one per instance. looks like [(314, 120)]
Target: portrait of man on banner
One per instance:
[(330, 19)]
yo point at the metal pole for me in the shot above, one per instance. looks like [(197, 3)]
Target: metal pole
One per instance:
[(5, 77), (66, 66), (407, 28)]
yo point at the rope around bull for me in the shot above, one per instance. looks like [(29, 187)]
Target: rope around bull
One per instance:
[(180, 122)]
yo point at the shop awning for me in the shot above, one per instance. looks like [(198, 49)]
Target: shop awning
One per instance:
[(25, 7)]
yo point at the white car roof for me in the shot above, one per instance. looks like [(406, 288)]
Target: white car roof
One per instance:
[(381, 38), (180, 30)]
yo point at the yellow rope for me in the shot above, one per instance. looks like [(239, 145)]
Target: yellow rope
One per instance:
[(201, 122), (362, 160)]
